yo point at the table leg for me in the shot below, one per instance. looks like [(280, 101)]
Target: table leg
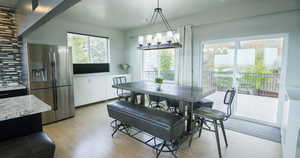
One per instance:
[(143, 99), (132, 98), (190, 118)]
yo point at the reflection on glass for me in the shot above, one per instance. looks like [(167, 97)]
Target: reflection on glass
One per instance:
[(218, 61)]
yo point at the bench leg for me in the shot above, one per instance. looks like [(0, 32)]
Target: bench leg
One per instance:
[(162, 147), (115, 131), (172, 152)]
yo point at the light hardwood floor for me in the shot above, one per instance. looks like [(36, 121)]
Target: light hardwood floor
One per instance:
[(88, 135)]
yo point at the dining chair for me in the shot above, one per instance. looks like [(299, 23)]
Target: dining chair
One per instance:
[(203, 103), (173, 105), (120, 92), (123, 94), (216, 117), (156, 102)]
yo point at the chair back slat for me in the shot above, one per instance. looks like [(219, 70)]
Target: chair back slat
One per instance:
[(228, 100), (229, 96), (117, 81)]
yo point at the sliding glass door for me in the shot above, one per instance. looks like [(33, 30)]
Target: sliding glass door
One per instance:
[(218, 70), (252, 66)]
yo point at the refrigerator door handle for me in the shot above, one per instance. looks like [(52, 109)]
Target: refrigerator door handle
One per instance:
[(55, 99), (53, 65), (49, 58)]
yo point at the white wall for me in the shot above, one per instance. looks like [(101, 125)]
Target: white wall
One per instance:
[(55, 32)]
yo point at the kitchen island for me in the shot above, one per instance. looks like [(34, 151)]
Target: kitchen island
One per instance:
[(20, 116)]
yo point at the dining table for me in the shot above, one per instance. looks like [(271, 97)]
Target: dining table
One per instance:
[(186, 95)]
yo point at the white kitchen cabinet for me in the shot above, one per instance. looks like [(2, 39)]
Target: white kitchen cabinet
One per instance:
[(94, 88)]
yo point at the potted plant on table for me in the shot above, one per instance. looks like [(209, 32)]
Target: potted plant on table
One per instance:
[(158, 82)]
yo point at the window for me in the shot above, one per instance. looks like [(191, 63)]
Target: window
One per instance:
[(159, 63), (88, 49)]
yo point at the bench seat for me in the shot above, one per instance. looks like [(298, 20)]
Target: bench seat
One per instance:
[(164, 125), (37, 145)]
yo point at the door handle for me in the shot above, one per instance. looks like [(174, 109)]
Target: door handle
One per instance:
[(55, 67), (55, 99)]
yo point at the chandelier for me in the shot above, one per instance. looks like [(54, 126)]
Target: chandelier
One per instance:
[(169, 40)]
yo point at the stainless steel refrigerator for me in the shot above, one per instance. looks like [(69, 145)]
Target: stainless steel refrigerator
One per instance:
[(50, 79)]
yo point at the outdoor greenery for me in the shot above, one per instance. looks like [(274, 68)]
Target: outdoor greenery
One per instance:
[(166, 65), (159, 80), (87, 49), (252, 77), (79, 49), (256, 71)]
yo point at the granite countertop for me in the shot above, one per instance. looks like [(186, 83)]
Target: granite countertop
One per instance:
[(15, 107), (9, 88)]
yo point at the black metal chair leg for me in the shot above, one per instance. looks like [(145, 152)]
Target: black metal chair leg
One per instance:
[(217, 137), (201, 126), (224, 133)]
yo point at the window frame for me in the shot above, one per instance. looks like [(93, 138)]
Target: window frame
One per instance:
[(165, 81), (96, 36)]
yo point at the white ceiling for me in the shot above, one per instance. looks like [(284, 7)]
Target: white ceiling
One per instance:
[(8, 3), (128, 14)]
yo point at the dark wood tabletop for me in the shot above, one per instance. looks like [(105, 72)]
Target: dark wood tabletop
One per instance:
[(172, 91)]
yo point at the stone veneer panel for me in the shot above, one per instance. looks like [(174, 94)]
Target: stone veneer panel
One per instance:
[(10, 58)]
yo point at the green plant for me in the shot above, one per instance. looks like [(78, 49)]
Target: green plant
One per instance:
[(165, 60), (159, 80)]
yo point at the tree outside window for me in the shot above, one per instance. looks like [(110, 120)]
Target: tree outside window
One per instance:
[(159, 63), (88, 49)]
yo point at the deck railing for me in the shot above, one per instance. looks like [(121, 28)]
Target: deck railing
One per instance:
[(261, 84), (166, 74)]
